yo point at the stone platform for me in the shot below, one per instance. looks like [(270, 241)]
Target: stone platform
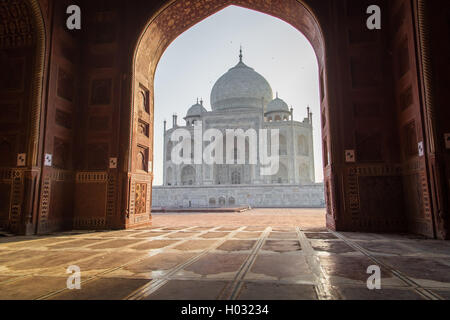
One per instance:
[(255, 196), (199, 210), (224, 261)]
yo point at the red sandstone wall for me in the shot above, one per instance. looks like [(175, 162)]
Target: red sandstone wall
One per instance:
[(59, 120), (372, 104), (368, 190), (409, 120), (21, 65), (438, 113)]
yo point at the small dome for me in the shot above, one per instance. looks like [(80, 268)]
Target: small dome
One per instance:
[(196, 110), (240, 87), (277, 105)]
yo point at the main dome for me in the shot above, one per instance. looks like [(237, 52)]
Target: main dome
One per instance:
[(240, 87)]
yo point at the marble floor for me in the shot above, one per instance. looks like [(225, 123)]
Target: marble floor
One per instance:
[(223, 262)]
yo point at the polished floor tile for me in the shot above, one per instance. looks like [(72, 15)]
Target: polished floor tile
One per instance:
[(224, 261), (190, 290), (102, 289), (216, 264), (237, 245), (280, 267), (276, 291)]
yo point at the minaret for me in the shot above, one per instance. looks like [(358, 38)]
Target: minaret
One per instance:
[(164, 154), (309, 115), (174, 120), (293, 176)]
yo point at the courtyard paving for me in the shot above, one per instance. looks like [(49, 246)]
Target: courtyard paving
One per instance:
[(257, 255)]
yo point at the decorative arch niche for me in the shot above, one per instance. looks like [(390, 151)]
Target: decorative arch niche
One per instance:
[(188, 176), (302, 145), (29, 34)]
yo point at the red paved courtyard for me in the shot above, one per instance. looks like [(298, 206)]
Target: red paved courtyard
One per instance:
[(259, 254)]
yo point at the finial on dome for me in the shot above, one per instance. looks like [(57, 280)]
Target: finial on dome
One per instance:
[(197, 100), (277, 94), (201, 101), (240, 54)]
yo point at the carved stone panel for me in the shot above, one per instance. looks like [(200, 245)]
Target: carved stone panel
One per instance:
[(379, 197), (5, 198), (101, 92), (365, 71), (99, 123), (97, 156), (144, 97), (7, 158), (403, 59), (61, 154), (142, 158), (105, 33), (143, 128), (12, 75), (369, 146), (10, 112), (16, 25), (66, 85), (406, 98), (63, 119), (141, 198), (410, 140), (367, 109)]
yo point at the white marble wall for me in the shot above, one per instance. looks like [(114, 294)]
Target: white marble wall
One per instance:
[(263, 196), (300, 167)]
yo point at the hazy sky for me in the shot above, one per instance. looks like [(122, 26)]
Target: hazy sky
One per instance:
[(197, 58)]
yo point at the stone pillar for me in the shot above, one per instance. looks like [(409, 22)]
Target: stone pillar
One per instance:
[(311, 156), (174, 121), (164, 154), (434, 154), (201, 180), (293, 163)]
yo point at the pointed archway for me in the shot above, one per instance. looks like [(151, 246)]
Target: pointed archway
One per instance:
[(175, 18), (22, 61)]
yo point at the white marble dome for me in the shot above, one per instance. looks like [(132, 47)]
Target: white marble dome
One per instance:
[(277, 105), (240, 87), (196, 110)]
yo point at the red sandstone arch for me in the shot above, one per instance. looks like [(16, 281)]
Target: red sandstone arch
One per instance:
[(177, 16), (38, 80), (35, 139), (28, 44)]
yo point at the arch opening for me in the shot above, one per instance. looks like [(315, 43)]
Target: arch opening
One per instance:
[(165, 26)]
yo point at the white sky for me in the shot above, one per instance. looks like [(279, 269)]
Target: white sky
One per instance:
[(197, 58)]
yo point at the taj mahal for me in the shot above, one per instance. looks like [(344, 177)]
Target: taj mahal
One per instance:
[(243, 99)]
